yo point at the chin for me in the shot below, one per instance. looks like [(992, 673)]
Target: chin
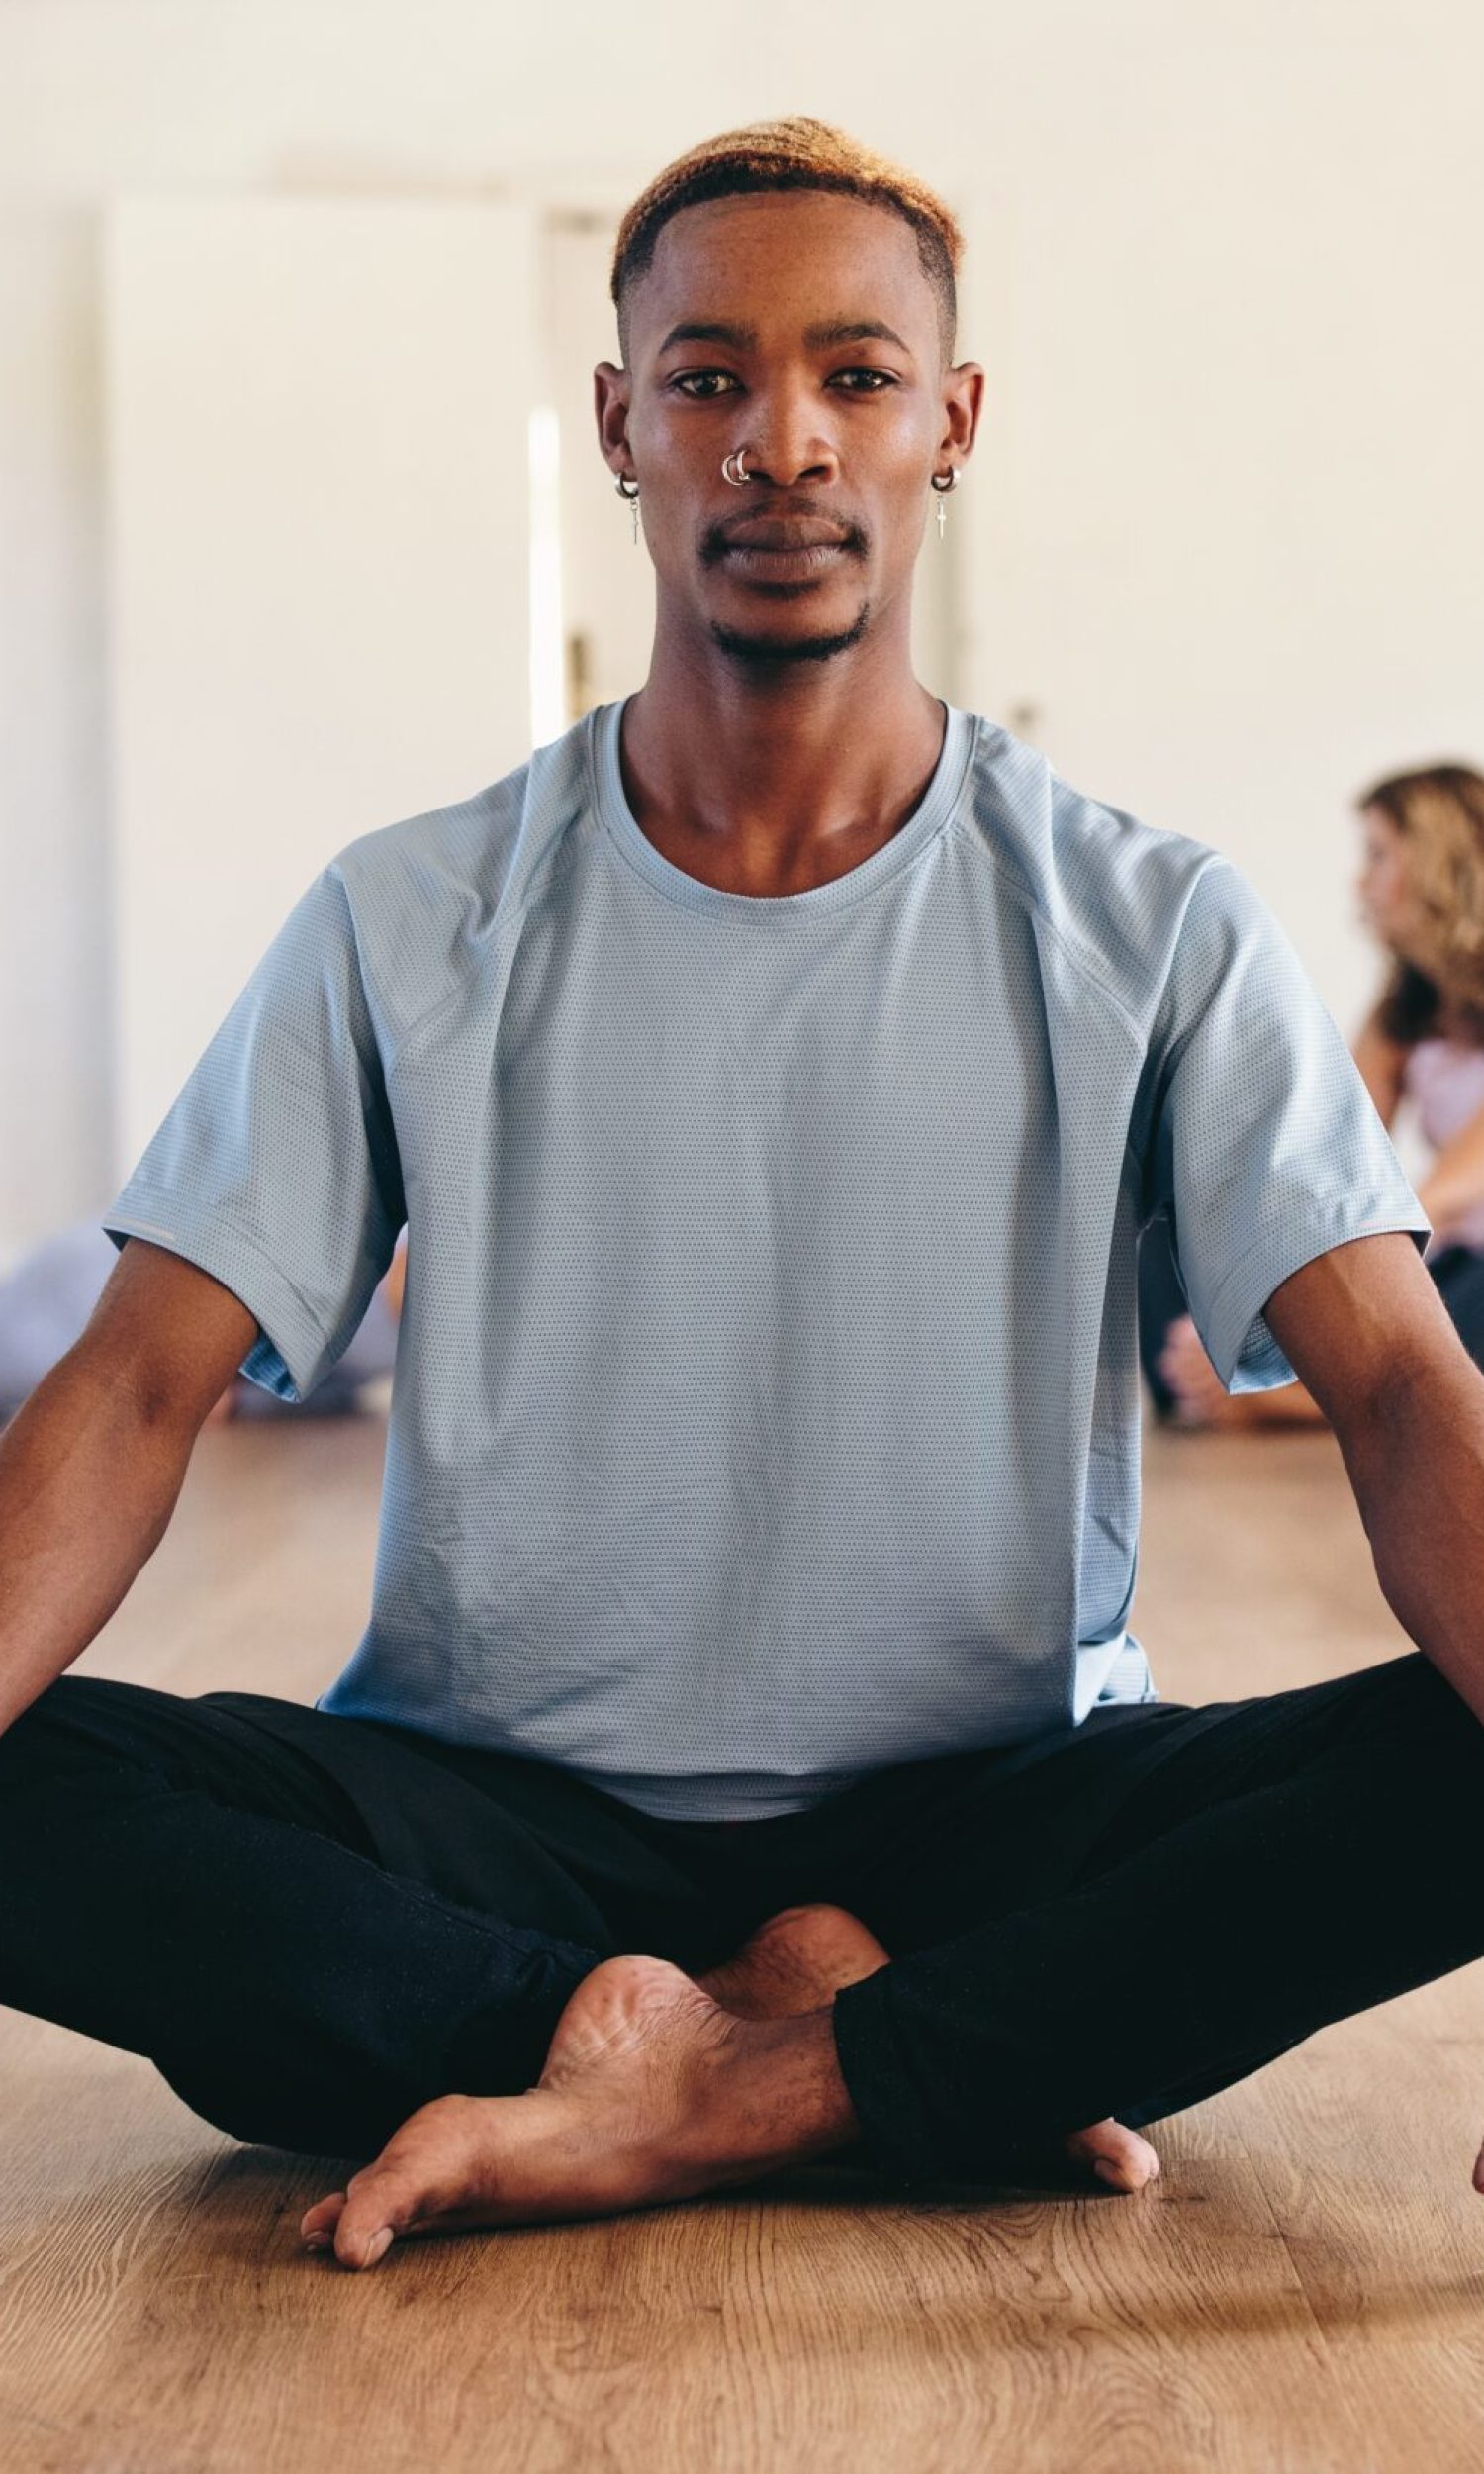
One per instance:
[(773, 645)]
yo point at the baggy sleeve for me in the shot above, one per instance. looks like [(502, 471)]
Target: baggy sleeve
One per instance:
[(1267, 1148), (277, 1169)]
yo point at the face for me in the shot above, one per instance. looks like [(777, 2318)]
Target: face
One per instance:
[(1381, 884), (842, 430)]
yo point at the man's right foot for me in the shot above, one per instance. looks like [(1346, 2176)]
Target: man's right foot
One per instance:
[(803, 1956)]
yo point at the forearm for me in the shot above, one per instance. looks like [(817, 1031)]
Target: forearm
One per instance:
[(88, 1481), (1417, 1466)]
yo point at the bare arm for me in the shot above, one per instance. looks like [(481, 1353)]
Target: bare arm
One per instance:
[(1369, 1334), (92, 1464), (1365, 1329)]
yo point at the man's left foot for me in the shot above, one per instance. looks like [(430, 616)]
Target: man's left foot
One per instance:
[(799, 1960)]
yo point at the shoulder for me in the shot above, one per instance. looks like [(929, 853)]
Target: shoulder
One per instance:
[(1128, 902), (429, 897)]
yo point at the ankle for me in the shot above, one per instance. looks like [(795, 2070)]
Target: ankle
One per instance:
[(775, 2094)]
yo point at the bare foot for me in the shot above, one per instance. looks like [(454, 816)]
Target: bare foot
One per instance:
[(650, 2093), (797, 1960), (803, 1956)]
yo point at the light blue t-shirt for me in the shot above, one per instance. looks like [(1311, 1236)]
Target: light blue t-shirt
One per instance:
[(766, 1407)]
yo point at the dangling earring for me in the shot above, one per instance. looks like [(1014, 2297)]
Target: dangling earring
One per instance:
[(632, 497), (943, 483)]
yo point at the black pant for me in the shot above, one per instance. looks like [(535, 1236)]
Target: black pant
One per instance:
[(314, 1924), (1457, 1276)]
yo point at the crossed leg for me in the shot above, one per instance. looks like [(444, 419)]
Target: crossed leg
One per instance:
[(1295, 1858), (651, 2092)]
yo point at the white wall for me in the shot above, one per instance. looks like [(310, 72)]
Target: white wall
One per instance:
[(1223, 520), (319, 568)]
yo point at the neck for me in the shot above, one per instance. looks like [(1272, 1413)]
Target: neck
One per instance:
[(771, 783)]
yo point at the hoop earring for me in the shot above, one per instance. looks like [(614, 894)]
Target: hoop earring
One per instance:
[(941, 483), (633, 499), (739, 476)]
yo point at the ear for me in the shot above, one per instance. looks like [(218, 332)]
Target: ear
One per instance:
[(611, 388)]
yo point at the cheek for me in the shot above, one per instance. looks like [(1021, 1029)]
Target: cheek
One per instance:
[(908, 444)]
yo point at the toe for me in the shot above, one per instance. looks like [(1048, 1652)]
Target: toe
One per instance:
[(1117, 2156), (383, 2200), (427, 2177), (376, 2209), (317, 2223)]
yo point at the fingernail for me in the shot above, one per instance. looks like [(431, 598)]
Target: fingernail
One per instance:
[(378, 2248), (316, 2241)]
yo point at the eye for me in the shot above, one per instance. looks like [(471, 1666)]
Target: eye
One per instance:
[(883, 376)]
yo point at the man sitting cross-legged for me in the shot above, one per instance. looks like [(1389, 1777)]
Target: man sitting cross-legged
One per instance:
[(748, 1758)]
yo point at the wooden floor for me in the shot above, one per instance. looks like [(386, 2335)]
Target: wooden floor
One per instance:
[(1303, 2289)]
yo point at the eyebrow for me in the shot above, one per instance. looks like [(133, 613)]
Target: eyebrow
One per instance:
[(820, 336)]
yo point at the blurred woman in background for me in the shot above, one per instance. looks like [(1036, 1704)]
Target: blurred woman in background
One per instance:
[(1420, 889)]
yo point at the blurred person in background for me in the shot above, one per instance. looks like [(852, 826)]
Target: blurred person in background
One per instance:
[(1420, 892)]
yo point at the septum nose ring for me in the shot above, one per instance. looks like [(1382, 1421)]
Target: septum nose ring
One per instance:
[(738, 477)]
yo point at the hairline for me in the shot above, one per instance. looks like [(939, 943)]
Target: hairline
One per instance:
[(633, 276)]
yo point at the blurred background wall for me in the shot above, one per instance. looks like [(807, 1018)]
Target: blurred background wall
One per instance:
[(285, 557)]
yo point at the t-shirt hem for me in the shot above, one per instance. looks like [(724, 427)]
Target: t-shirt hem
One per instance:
[(695, 1798)]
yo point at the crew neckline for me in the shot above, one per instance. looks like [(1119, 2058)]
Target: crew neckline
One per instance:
[(926, 820)]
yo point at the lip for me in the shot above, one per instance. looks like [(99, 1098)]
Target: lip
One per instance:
[(785, 533), (802, 559), (785, 555)]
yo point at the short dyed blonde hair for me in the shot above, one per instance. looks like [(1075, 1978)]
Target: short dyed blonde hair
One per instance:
[(796, 152)]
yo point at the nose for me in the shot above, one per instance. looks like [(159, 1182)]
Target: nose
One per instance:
[(784, 447)]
